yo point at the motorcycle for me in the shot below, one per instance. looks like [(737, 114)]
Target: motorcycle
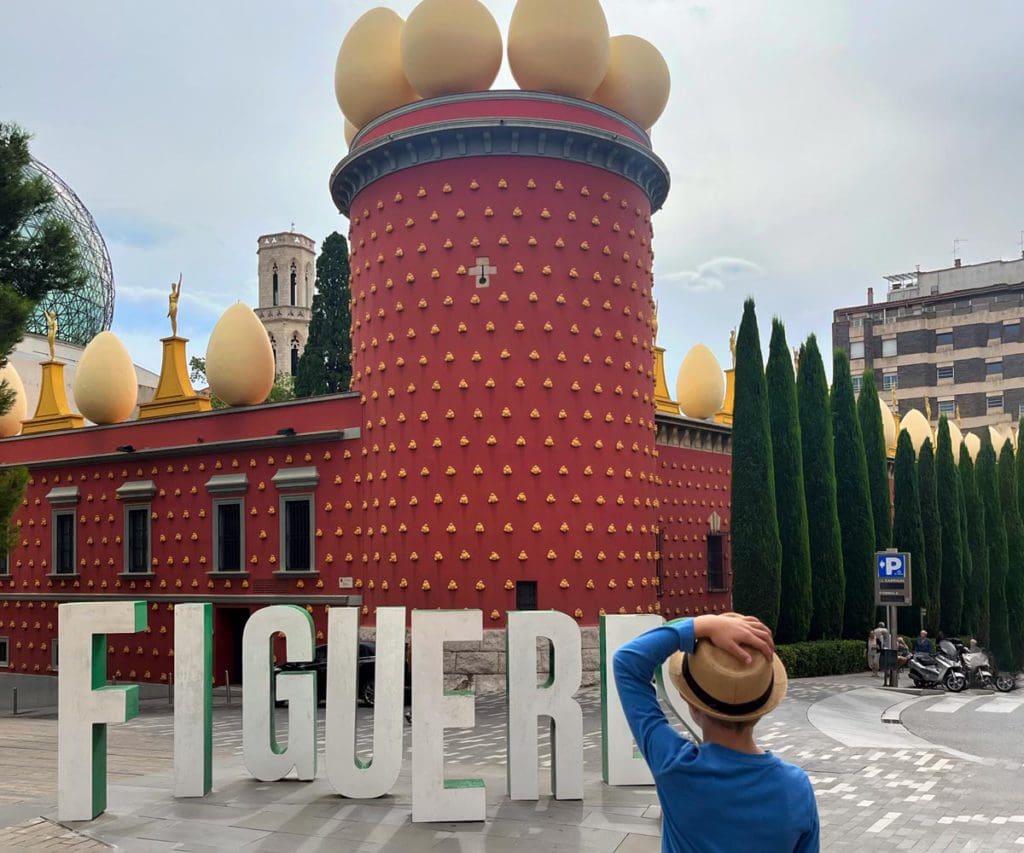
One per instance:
[(978, 667), (942, 669)]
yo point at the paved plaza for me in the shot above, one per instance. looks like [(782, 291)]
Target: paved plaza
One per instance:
[(881, 784)]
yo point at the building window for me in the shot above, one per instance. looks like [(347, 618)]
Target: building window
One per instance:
[(526, 595), (294, 283), (136, 540), (857, 349), (947, 408), (857, 382), (890, 381), (295, 356), (888, 347), (1020, 411), (229, 524), (298, 529), (716, 563), (54, 654), (64, 543), (943, 339), (994, 368), (944, 372), (994, 402), (5, 651), (276, 296), (1011, 332)]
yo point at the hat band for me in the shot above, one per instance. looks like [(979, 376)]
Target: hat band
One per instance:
[(732, 708)]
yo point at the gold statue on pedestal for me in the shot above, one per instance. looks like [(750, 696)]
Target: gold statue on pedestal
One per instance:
[(732, 346), (172, 306), (51, 332), (928, 409)]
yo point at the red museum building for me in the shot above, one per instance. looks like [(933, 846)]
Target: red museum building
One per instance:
[(508, 442)]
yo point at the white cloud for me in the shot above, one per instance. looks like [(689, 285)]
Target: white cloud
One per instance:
[(712, 276)]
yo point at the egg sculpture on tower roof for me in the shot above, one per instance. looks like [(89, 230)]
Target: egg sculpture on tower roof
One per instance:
[(10, 421), (888, 428), (448, 47), (700, 383), (917, 428), (956, 438), (973, 445)]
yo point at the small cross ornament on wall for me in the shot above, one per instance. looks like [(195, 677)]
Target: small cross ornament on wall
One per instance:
[(483, 272)]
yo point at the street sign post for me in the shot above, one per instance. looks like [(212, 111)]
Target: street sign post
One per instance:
[(892, 590)]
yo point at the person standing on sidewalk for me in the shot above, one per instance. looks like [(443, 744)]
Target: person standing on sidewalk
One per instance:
[(727, 794), (874, 652)]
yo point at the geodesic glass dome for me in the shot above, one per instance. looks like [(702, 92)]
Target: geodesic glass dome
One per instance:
[(83, 313)]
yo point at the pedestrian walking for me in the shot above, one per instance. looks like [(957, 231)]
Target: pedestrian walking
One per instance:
[(874, 652)]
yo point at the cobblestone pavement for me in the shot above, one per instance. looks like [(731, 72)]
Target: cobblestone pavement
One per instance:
[(879, 787)]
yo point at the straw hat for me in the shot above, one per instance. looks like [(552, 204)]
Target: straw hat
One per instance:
[(725, 688)]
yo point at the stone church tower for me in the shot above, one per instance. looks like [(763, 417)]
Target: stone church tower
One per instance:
[(287, 273)]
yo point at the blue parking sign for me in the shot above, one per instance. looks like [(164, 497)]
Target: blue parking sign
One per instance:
[(892, 566)]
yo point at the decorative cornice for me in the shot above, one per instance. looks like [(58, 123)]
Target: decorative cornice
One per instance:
[(689, 434), (499, 136)]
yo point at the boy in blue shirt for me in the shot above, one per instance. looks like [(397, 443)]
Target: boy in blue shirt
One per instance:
[(727, 794)]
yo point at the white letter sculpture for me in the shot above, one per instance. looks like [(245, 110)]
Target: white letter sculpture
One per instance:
[(85, 703), (434, 709), (526, 701), (350, 776), (621, 762), (193, 700), (264, 758)]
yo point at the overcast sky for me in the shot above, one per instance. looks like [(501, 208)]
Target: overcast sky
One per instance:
[(814, 146)]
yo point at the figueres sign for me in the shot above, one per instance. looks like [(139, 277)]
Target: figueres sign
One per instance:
[(87, 704)]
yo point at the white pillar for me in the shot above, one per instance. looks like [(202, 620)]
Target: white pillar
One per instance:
[(527, 701), (349, 776), (193, 700), (621, 762), (264, 757), (85, 703), (434, 709)]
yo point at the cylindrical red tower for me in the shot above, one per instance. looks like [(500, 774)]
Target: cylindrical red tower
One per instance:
[(502, 345)]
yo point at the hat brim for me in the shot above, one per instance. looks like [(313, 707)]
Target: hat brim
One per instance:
[(780, 683)]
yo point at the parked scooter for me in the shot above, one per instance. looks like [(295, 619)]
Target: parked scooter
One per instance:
[(979, 669), (943, 669)]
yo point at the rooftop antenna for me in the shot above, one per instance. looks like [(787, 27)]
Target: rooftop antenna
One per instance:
[(956, 250), (293, 228)]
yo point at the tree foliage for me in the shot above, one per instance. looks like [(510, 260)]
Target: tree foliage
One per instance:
[(828, 586), (995, 538), (907, 534), (325, 366), (975, 616), (756, 549), (853, 499), (1019, 467), (951, 590), (282, 390), (790, 502), (932, 530), (12, 491), (873, 434), (33, 261), (1015, 555), (966, 560)]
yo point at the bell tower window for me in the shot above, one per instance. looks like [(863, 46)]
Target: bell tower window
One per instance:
[(294, 284), (276, 295)]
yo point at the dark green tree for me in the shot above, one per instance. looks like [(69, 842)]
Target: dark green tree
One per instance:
[(828, 585), (12, 491), (853, 501), (966, 561), (1015, 555), (33, 261), (951, 591), (1020, 468), (325, 366), (907, 534), (869, 413), (975, 616), (932, 530), (790, 502), (995, 538), (756, 549)]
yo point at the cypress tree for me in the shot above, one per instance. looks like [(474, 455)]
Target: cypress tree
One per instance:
[(756, 549), (790, 503), (966, 562), (853, 501), (932, 530), (906, 530), (325, 366), (951, 590), (995, 538), (872, 431), (1019, 466), (828, 586), (975, 618), (1015, 554)]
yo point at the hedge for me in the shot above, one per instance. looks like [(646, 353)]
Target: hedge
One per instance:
[(823, 657)]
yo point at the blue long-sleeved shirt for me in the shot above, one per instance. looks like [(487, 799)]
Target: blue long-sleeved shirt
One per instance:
[(712, 798)]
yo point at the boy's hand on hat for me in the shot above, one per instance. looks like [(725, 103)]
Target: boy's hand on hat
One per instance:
[(738, 635)]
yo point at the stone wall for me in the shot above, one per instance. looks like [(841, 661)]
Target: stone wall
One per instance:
[(481, 666)]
